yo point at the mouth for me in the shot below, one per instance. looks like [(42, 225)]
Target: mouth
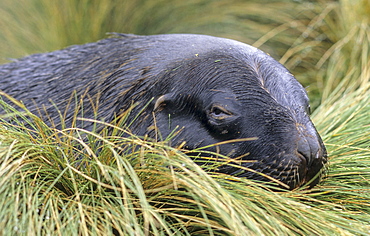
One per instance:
[(290, 171)]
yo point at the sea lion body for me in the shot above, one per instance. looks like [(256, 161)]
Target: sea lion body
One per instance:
[(213, 89)]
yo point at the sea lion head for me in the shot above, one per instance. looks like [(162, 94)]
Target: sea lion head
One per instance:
[(217, 90)]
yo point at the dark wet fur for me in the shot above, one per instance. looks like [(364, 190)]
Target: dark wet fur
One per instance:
[(214, 90)]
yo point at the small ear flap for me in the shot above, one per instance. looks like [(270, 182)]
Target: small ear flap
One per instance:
[(162, 100)]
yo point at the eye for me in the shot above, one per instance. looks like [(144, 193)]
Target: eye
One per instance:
[(223, 120), (219, 112)]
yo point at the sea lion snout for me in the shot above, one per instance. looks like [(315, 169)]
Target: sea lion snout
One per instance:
[(311, 148), (308, 146)]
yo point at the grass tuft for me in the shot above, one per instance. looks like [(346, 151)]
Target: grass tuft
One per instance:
[(108, 181), (73, 181)]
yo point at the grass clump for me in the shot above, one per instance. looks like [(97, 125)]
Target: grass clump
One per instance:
[(77, 182)]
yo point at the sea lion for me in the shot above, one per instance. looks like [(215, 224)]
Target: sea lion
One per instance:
[(213, 89)]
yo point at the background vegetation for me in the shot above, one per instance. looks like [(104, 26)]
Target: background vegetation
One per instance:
[(55, 182)]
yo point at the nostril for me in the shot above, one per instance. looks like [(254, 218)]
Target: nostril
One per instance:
[(304, 148), (309, 144), (310, 149)]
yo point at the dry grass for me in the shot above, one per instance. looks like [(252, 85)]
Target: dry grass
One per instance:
[(75, 182)]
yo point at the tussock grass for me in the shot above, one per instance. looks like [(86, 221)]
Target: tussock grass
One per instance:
[(76, 182)]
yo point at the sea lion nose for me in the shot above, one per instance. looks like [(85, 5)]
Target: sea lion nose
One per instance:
[(309, 149), (309, 146)]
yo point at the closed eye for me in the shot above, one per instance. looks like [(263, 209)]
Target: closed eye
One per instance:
[(219, 112)]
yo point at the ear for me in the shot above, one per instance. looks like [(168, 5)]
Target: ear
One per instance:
[(162, 101)]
